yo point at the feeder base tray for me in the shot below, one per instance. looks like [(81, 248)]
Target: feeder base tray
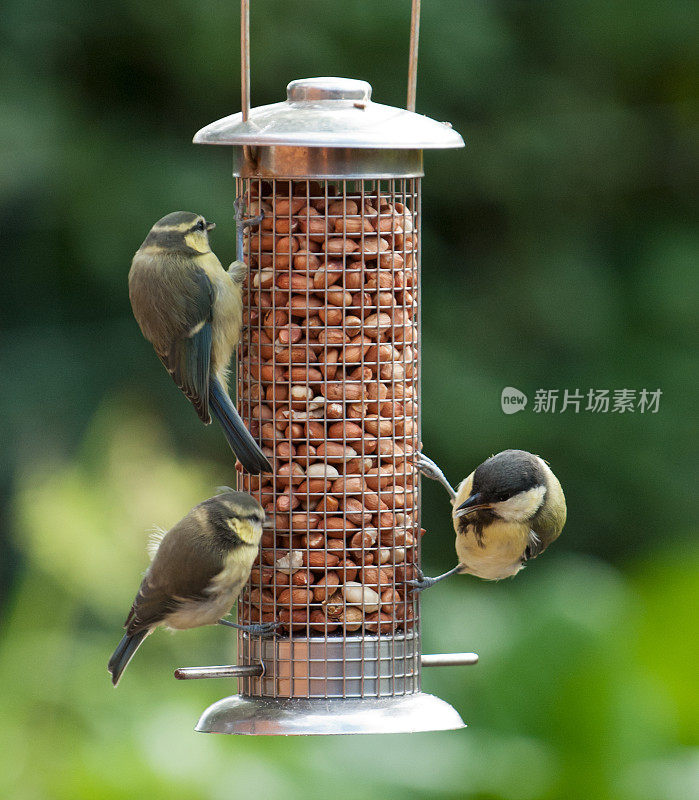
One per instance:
[(264, 716)]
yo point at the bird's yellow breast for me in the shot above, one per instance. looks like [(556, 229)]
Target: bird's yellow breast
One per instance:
[(232, 578), (501, 553), (221, 593), (503, 543), (227, 312)]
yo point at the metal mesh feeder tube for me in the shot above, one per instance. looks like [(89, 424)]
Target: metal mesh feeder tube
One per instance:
[(329, 384)]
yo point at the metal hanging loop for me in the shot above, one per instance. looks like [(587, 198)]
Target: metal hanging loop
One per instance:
[(412, 61), (245, 56)]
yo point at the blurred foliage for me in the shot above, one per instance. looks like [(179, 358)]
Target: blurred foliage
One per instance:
[(559, 252), (584, 690)]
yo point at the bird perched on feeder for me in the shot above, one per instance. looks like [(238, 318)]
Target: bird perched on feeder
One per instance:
[(508, 510), (191, 310), (197, 570)]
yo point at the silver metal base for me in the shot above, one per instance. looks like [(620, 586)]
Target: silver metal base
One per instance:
[(262, 716)]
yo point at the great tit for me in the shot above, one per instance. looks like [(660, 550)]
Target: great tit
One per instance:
[(508, 510), (190, 309), (197, 571)]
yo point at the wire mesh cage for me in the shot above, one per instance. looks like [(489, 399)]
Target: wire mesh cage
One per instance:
[(328, 379), (329, 376)]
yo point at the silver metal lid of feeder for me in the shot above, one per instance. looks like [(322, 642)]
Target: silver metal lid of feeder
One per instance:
[(331, 112)]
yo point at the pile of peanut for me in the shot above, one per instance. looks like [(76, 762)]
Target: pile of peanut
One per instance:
[(328, 377)]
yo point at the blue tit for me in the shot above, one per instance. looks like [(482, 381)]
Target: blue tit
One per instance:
[(197, 571), (508, 510), (190, 309)]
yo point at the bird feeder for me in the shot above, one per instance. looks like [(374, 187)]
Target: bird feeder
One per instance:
[(328, 382)]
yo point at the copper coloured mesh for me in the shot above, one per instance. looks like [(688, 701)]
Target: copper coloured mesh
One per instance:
[(328, 381)]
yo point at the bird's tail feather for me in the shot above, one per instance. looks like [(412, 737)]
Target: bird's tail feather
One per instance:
[(239, 438), (124, 653)]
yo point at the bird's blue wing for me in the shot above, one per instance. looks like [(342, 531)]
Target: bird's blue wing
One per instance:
[(188, 357)]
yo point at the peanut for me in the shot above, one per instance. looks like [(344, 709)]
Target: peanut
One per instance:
[(329, 388), (297, 596), (358, 595), (325, 587)]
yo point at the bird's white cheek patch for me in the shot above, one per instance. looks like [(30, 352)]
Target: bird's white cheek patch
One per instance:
[(521, 506)]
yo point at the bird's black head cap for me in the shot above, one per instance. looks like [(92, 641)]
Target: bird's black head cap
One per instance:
[(507, 474)]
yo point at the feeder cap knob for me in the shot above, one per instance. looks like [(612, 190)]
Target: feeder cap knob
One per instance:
[(316, 89)]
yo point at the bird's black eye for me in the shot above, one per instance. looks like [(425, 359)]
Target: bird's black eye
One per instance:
[(201, 225), (503, 496)]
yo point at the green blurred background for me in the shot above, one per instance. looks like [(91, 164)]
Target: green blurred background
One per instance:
[(559, 253)]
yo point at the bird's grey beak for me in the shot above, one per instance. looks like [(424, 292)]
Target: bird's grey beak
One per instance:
[(474, 503), (210, 226)]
